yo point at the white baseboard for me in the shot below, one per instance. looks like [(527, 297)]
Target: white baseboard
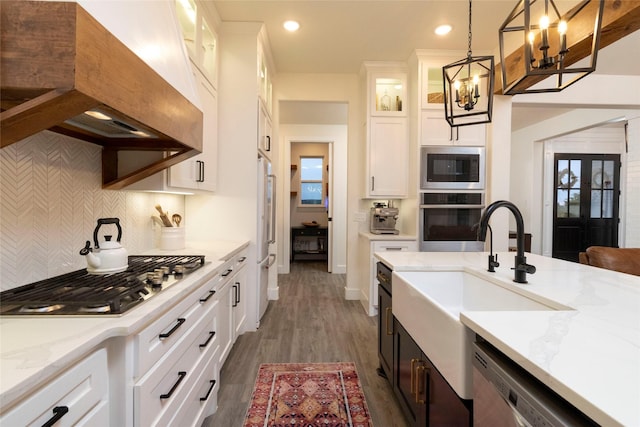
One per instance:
[(273, 293), (351, 293)]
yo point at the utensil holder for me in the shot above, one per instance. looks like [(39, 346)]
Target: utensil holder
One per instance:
[(172, 238)]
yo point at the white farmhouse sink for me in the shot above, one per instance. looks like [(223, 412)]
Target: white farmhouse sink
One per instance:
[(428, 304)]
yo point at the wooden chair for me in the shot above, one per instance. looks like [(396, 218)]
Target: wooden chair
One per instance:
[(624, 260)]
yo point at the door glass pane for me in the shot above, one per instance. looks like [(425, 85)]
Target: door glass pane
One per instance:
[(574, 175), (608, 175), (607, 204), (596, 211), (596, 174), (563, 204), (574, 203), (563, 173)]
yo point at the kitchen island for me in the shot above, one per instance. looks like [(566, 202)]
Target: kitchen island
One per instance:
[(34, 350), (589, 355)]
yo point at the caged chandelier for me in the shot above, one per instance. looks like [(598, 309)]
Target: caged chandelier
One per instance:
[(468, 88), (542, 33)]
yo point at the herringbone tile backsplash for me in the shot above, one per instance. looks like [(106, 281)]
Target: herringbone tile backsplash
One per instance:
[(51, 198)]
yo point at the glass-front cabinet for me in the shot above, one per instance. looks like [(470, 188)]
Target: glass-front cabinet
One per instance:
[(199, 37), (390, 94)]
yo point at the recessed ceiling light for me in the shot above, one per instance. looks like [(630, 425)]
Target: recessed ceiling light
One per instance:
[(291, 26), (443, 29)]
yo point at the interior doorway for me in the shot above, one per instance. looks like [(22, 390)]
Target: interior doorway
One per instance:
[(586, 208), (309, 209), (323, 123)]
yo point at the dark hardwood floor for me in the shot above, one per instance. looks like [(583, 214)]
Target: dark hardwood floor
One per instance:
[(311, 322)]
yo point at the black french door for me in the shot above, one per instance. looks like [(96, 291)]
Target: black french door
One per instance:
[(587, 193)]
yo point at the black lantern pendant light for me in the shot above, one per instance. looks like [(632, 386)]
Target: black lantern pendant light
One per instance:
[(538, 30), (468, 88)]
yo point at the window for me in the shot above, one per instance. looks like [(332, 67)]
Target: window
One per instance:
[(311, 181)]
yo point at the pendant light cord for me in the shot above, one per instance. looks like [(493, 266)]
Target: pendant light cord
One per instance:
[(469, 50)]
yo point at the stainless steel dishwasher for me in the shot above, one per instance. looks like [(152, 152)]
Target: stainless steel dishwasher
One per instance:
[(506, 395)]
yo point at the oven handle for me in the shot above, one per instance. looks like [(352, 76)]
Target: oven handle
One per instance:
[(451, 206)]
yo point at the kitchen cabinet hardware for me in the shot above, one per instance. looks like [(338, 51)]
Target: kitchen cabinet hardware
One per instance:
[(373, 183), (179, 323), (420, 371), (412, 370), (181, 376), (206, 396), (205, 299), (389, 314), (58, 412), (236, 292), (242, 259), (206, 343), (226, 273), (200, 165), (268, 143)]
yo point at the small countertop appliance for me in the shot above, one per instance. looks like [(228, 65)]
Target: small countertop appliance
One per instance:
[(383, 219)]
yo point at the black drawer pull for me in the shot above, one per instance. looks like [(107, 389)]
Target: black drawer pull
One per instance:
[(211, 293), (181, 376), (213, 384), (175, 328), (237, 293), (226, 273), (242, 259), (58, 412), (235, 296), (206, 343)]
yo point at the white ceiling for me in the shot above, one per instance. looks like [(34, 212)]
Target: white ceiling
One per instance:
[(336, 36)]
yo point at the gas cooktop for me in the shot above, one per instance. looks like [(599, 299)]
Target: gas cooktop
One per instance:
[(81, 293)]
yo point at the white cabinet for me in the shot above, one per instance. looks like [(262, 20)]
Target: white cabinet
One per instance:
[(170, 355), (387, 132), (264, 128), (435, 130), (196, 174), (265, 85), (233, 304), (239, 303), (388, 157), (79, 396), (201, 172), (395, 245), (199, 37)]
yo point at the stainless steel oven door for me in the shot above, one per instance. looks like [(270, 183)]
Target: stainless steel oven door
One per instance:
[(450, 228), (452, 168)]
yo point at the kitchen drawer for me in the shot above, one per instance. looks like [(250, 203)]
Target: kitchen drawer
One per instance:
[(82, 389), (202, 400), (394, 245), (159, 337), (164, 387)]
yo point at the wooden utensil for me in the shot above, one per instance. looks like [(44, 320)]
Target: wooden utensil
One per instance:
[(164, 217), (177, 219)]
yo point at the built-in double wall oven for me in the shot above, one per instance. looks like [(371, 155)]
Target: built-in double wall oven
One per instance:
[(452, 198)]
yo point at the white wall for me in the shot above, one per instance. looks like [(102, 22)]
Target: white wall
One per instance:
[(333, 88), (52, 197)]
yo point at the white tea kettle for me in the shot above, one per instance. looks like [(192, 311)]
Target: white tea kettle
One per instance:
[(107, 256)]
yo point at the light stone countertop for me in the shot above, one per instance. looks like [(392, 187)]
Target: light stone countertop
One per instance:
[(401, 237), (589, 355), (35, 348)]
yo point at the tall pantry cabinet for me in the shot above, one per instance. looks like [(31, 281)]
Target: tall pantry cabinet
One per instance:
[(386, 129), (244, 101)]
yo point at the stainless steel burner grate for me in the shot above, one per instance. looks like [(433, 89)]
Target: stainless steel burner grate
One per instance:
[(81, 293)]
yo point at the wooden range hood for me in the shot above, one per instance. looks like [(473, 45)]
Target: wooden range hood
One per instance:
[(57, 62)]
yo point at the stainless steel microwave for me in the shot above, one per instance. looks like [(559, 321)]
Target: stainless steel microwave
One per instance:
[(452, 168)]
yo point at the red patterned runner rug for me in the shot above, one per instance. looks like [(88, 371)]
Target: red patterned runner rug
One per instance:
[(308, 395)]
